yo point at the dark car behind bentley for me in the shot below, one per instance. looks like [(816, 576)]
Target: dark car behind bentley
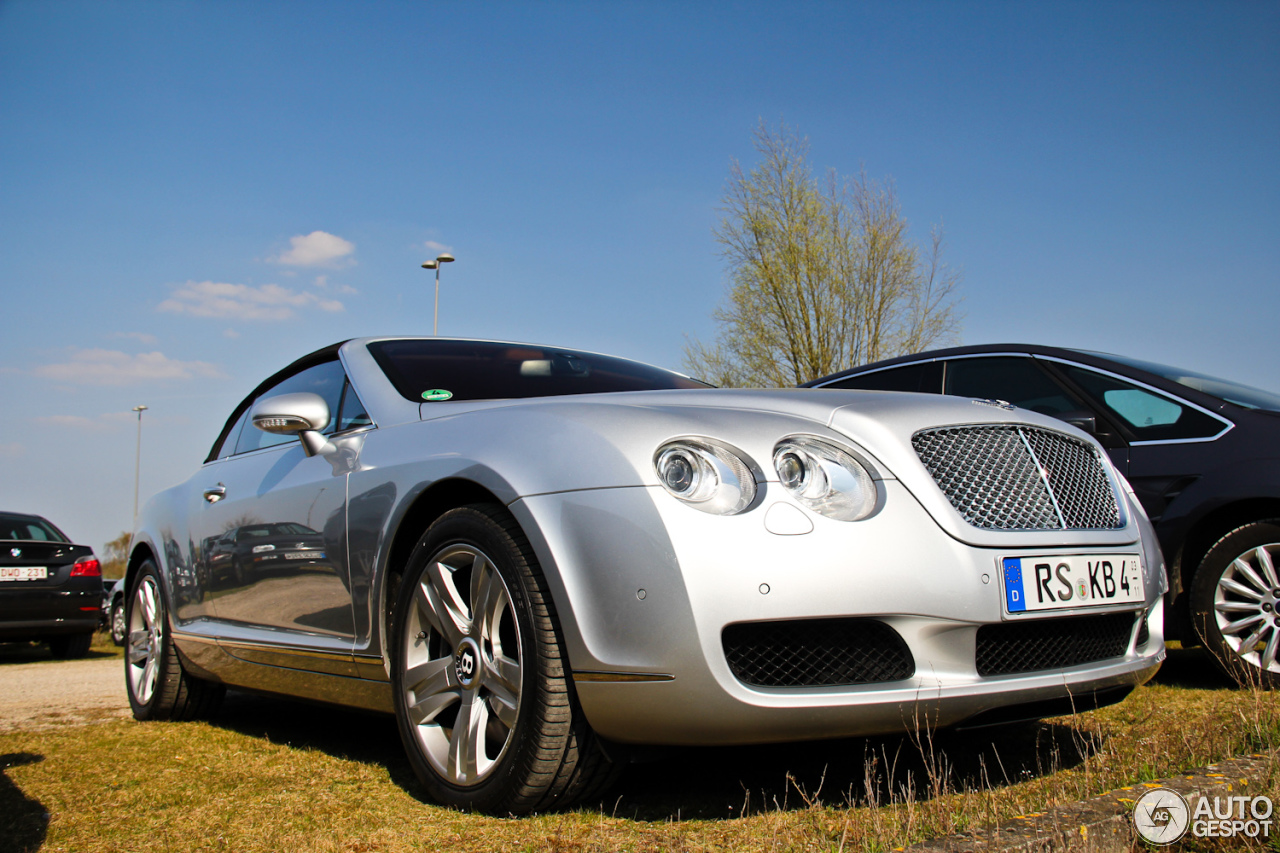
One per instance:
[(50, 589)]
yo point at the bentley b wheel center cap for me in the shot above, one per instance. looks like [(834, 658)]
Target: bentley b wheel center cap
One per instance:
[(466, 662)]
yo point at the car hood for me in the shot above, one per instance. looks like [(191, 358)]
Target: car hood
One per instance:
[(609, 440)]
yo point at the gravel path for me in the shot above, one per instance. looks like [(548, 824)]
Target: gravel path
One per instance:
[(58, 693)]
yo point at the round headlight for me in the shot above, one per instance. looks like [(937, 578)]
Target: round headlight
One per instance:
[(678, 468), (793, 470), (706, 475), (825, 478)]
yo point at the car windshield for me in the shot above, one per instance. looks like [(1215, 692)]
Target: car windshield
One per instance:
[(28, 528), (1232, 392), (436, 370)]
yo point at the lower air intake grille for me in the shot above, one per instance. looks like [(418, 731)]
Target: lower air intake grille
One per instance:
[(816, 653), (1013, 647)]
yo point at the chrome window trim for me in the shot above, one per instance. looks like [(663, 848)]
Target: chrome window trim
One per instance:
[(1228, 425), (877, 370)]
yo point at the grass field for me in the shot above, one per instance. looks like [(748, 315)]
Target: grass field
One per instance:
[(273, 775)]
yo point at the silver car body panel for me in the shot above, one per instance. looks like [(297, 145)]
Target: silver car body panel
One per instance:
[(643, 584)]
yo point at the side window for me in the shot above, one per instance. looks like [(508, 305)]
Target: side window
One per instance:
[(324, 379), (923, 376), (1014, 379), (352, 413), (1150, 416), (229, 443)]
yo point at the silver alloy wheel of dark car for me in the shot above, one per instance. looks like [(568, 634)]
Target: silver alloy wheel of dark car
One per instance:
[(119, 629), (1245, 606), (1236, 596), (462, 664)]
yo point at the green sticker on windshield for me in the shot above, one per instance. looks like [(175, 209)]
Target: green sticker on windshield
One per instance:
[(437, 395)]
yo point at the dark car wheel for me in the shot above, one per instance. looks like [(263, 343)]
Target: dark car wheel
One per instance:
[(119, 628), (70, 645), (1234, 599), (483, 696), (158, 685)]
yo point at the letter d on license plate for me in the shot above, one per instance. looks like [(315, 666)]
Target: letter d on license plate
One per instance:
[(1062, 582)]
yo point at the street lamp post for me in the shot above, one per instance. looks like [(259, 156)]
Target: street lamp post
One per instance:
[(444, 258), (137, 463)]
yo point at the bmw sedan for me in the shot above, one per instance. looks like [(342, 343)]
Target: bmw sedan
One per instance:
[(1199, 451), (50, 589), (537, 558)]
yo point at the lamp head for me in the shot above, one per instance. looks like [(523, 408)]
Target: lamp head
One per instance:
[(445, 258), (430, 265)]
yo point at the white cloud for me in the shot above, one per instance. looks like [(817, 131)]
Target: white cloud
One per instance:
[(322, 283), (317, 249), (110, 367), (230, 333), (105, 422), (242, 302), (73, 421), (12, 449), (140, 337), (437, 247)]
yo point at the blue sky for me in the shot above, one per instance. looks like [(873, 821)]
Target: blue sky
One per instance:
[(194, 194)]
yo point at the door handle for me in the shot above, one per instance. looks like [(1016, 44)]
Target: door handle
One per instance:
[(215, 494)]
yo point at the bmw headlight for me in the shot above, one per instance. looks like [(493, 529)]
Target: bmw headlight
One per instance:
[(706, 475), (825, 478)]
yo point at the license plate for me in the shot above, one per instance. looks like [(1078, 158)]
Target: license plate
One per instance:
[(303, 555), (23, 573), (1079, 580)]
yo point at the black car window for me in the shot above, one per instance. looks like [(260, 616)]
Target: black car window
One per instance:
[(324, 379), (1014, 379), (436, 370), (1149, 415), (923, 376), (1232, 392), (19, 528)]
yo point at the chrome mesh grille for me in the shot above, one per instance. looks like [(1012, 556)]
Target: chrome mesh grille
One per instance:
[(1013, 477)]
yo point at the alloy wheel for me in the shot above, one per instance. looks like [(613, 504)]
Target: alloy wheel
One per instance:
[(1245, 607), (146, 633), (462, 664)]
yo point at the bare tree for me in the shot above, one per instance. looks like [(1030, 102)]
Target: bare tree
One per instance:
[(115, 555), (823, 275)]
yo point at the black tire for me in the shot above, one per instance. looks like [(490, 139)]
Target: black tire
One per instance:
[(117, 623), (159, 686), (1234, 599), (477, 736), (70, 645)]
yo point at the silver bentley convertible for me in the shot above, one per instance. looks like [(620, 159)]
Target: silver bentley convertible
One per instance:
[(537, 557)]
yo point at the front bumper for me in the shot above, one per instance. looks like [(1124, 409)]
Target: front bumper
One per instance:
[(645, 586)]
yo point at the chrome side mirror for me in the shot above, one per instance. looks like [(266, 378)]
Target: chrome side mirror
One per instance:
[(302, 414)]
